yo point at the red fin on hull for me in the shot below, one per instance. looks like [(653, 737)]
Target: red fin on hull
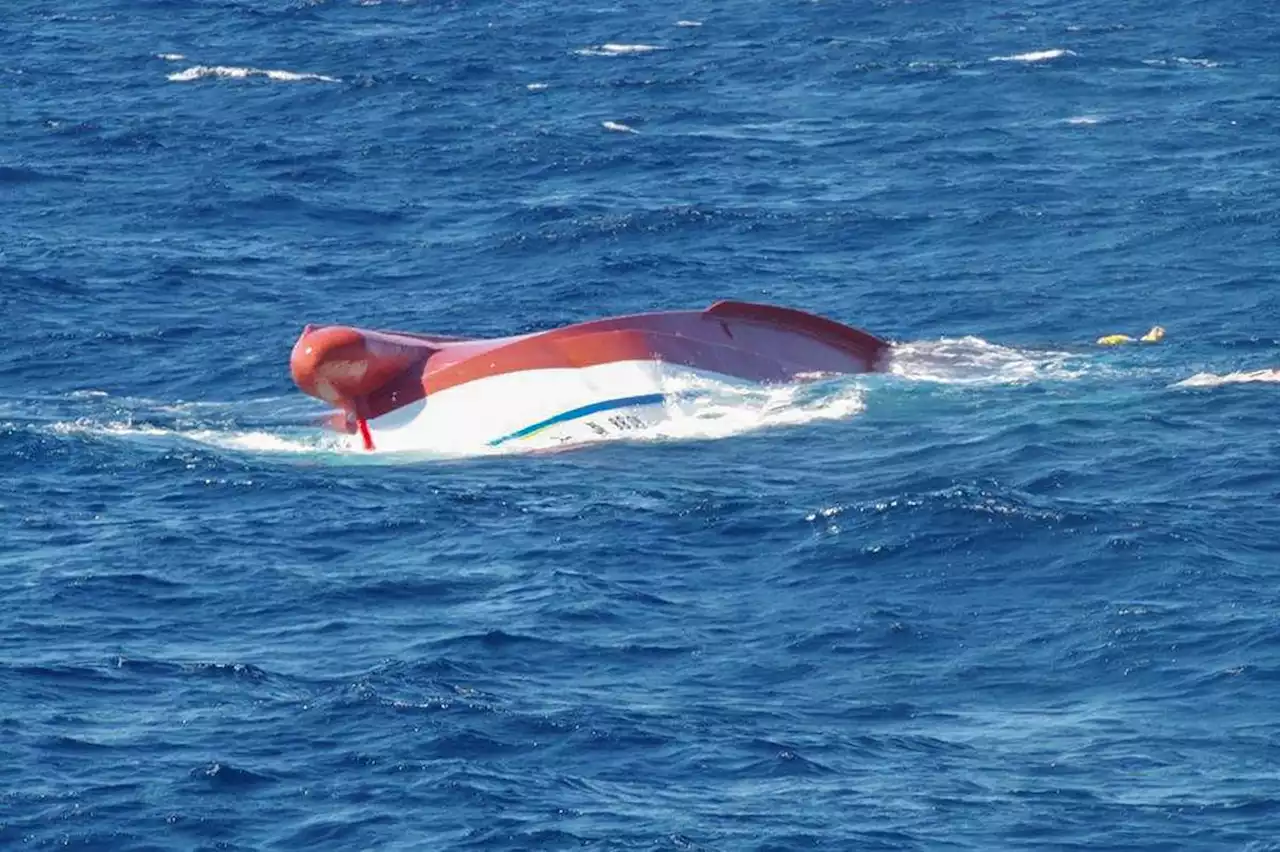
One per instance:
[(366, 437)]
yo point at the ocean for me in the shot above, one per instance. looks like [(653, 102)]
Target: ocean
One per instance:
[(1020, 591)]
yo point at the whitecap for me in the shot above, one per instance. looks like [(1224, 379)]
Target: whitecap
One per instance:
[(1181, 61), (536, 87), (1035, 55), (198, 72), (974, 361), (270, 442), (1213, 380), (86, 426), (825, 513), (618, 127), (612, 49), (170, 57), (688, 23), (244, 440), (1083, 119)]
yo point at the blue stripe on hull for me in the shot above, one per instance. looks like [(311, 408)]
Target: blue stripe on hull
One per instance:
[(574, 414)]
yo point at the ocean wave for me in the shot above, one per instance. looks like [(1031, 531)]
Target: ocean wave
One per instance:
[(613, 49), (1182, 62), (1213, 380), (86, 426), (265, 425), (1035, 55), (990, 501), (245, 440), (226, 776), (200, 72), (21, 174)]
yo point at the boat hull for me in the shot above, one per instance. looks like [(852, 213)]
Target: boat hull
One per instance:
[(400, 391), (545, 407)]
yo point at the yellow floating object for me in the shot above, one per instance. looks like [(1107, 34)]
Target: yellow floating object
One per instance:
[(1155, 335)]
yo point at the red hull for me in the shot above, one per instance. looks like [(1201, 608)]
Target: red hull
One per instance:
[(369, 373)]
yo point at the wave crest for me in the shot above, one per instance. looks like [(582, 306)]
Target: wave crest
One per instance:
[(1035, 55), (613, 49), (235, 72), (1213, 380)]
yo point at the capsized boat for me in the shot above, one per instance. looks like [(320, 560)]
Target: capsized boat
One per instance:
[(402, 390)]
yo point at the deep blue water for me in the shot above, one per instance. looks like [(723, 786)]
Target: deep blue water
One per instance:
[(1022, 593)]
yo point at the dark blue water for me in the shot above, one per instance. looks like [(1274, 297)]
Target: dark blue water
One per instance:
[(1021, 593)]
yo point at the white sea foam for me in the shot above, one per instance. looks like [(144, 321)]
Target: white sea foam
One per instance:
[(270, 442), (612, 49), (536, 87), (688, 23), (117, 429), (974, 361), (1083, 119), (1182, 61), (705, 410), (1213, 380), (199, 72), (1035, 55), (277, 424), (248, 440), (170, 57), (618, 127)]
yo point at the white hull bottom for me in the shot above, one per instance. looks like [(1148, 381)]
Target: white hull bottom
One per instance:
[(536, 408)]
